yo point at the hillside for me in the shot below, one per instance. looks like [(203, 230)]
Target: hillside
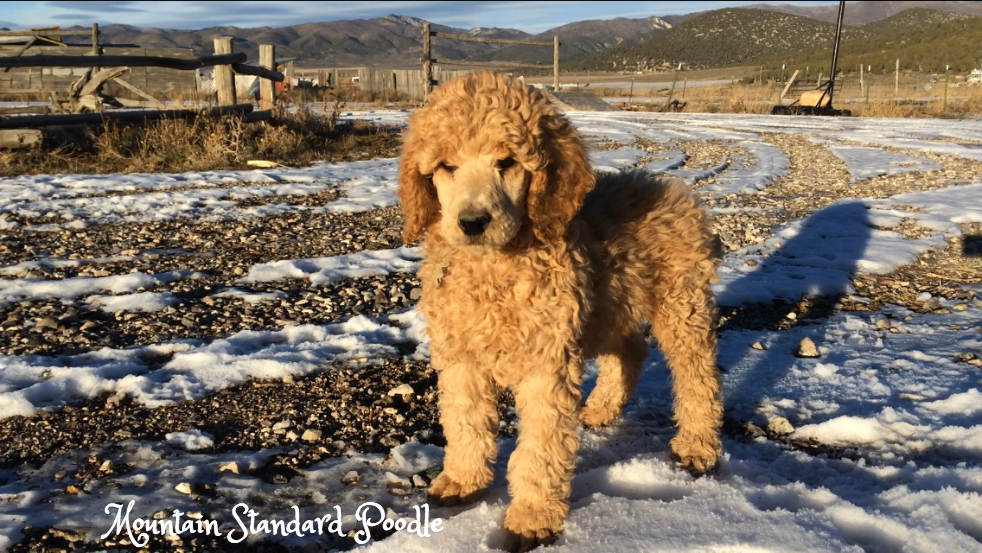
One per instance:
[(945, 40), (582, 38), (389, 40), (864, 12), (914, 18), (718, 38)]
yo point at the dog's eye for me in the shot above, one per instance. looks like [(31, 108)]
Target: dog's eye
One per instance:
[(503, 164), (448, 168)]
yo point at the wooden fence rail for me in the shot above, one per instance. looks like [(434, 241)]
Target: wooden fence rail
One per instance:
[(236, 61), (429, 61)]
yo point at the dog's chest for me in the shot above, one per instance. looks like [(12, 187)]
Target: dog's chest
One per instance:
[(497, 310)]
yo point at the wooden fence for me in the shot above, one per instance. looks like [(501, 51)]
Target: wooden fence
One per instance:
[(429, 61), (85, 93), (42, 81)]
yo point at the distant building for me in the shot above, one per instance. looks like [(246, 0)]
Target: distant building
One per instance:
[(975, 76)]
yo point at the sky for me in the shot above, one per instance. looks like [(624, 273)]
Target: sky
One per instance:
[(532, 17)]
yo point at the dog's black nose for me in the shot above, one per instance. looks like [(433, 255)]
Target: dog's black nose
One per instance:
[(473, 225)]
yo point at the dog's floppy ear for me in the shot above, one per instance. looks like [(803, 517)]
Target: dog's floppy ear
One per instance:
[(557, 189), (417, 196)]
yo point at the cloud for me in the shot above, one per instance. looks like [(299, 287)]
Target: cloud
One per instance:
[(97, 7)]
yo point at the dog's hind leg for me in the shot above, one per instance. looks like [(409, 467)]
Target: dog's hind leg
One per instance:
[(619, 361), (469, 416), (541, 467), (683, 324)]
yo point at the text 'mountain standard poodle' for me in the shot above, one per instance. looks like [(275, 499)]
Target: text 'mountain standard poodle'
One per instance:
[(533, 264)]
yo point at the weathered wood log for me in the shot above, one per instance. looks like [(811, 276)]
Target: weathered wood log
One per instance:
[(36, 110), (267, 92), (19, 138), (99, 79), (30, 121), (130, 61), (224, 79), (125, 84)]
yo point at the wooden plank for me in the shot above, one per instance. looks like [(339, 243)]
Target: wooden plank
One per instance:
[(267, 92), (37, 110), (19, 138), (99, 118), (45, 32), (489, 40), (224, 79), (790, 82), (131, 61), (122, 82)]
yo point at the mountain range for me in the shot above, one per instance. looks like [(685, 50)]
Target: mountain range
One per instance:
[(707, 39)]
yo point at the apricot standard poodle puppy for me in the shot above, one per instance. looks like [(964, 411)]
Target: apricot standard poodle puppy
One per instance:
[(533, 264)]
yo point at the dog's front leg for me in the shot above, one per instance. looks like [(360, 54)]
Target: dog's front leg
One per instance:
[(541, 467), (469, 415)]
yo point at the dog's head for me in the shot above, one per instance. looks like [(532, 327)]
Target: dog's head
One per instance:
[(486, 157)]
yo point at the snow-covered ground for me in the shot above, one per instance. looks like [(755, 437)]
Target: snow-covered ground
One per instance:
[(903, 414)]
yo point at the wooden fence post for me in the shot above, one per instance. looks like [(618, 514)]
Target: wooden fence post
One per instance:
[(896, 78), (267, 92), (427, 62), (555, 62), (95, 39), (224, 78)]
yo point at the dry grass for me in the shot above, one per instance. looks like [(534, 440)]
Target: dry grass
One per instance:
[(297, 138)]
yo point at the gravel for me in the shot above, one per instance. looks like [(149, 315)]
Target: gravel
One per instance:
[(375, 406)]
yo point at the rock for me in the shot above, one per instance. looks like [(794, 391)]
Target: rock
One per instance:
[(883, 323), (393, 481), (68, 535), (415, 293), (758, 346), (807, 349), (977, 362), (311, 435), (283, 425), (401, 390), (959, 307), (350, 478), (753, 431), (780, 427), (72, 489), (46, 323), (791, 316), (230, 466), (292, 436), (106, 466), (964, 357), (183, 488), (418, 481)]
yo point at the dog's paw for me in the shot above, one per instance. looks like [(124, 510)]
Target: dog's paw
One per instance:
[(527, 528), (697, 454), (448, 492), (593, 417)]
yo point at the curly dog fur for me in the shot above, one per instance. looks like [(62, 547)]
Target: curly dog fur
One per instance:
[(532, 264)]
